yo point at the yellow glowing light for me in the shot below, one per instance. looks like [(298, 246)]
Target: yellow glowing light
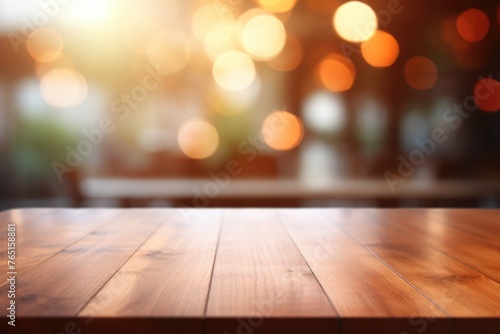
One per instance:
[(62, 88), (420, 73), (355, 21), (168, 51), (290, 57), (138, 30), (277, 6), (87, 11), (381, 50), (198, 139), (208, 17), (44, 44), (336, 72), (282, 130), (263, 36), (234, 70), (220, 39)]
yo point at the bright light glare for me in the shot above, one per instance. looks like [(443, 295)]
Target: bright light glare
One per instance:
[(355, 21), (63, 88), (263, 37), (234, 70), (88, 11), (220, 39)]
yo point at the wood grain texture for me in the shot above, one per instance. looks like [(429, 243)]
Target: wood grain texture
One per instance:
[(43, 232), (485, 226), (438, 229), (255, 271), (260, 281), (168, 277), (359, 285), (65, 282), (461, 291)]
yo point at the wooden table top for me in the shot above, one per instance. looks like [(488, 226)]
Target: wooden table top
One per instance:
[(226, 271)]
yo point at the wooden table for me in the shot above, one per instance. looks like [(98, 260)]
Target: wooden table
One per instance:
[(253, 271)]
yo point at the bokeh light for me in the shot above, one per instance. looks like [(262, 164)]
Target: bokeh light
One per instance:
[(487, 94), (282, 130), (44, 44), (324, 112), (198, 138), (336, 72), (277, 6), (290, 57), (355, 21), (234, 70), (263, 36), (473, 25), (63, 88), (420, 72), (468, 55), (381, 50), (168, 51), (138, 31), (208, 17), (220, 39)]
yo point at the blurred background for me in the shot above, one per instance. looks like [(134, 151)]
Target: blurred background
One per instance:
[(249, 103)]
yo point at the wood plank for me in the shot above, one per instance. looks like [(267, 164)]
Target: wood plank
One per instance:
[(21, 217), (43, 232), (434, 228), (458, 289), (483, 224), (261, 284), (59, 287), (167, 277), (464, 293), (367, 294)]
